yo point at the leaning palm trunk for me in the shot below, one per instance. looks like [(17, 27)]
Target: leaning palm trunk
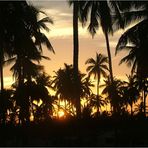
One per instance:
[(75, 57), (109, 56)]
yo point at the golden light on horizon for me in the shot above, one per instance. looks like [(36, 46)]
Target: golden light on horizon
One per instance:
[(61, 113)]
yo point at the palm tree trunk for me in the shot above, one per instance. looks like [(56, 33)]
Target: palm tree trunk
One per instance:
[(131, 109), (2, 83), (75, 56), (1, 71), (98, 111), (1, 75), (144, 102), (109, 56), (20, 76), (65, 104), (58, 109), (20, 84)]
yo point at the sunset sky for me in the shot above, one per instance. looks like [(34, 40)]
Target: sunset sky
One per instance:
[(61, 37)]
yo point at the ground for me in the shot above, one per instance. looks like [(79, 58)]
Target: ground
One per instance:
[(77, 133)]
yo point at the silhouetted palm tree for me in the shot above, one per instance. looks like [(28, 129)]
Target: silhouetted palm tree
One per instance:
[(34, 90), (64, 84), (43, 81), (142, 84), (97, 102), (100, 13), (135, 38), (135, 41), (8, 10), (28, 45), (97, 67), (131, 93), (28, 48), (6, 103), (139, 108), (37, 26), (87, 112), (76, 8), (114, 94)]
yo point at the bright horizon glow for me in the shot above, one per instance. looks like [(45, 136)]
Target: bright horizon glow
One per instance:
[(61, 113)]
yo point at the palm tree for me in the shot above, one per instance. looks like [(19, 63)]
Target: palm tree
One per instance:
[(135, 41), (87, 112), (100, 14), (37, 90), (7, 9), (39, 37), (142, 87), (97, 67), (139, 108), (6, 103), (75, 4), (113, 92), (20, 33), (64, 84), (108, 15), (97, 102), (28, 48), (38, 25), (131, 93)]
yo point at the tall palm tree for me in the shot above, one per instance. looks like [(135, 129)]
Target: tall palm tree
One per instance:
[(8, 12), (97, 67), (75, 4), (106, 14), (28, 48), (100, 14)]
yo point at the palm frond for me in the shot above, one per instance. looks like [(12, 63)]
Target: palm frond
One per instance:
[(90, 61), (9, 61)]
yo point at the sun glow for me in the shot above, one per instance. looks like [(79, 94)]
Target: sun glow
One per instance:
[(61, 113)]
